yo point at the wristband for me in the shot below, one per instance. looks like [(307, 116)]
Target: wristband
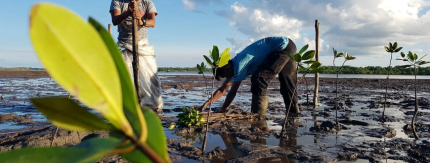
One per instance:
[(144, 21)]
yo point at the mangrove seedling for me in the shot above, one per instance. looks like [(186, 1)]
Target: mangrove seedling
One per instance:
[(347, 58), (201, 69), (414, 62), (302, 58), (391, 48), (83, 58), (190, 118), (216, 62)]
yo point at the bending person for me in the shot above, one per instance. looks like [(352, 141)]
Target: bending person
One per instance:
[(263, 59)]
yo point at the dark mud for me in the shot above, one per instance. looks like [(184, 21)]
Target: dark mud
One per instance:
[(311, 136)]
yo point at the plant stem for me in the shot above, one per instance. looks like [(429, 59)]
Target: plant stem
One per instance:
[(53, 138), (416, 105), (145, 149), (209, 114), (335, 100), (386, 88), (289, 107)]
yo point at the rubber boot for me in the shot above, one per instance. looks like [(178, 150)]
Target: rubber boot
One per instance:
[(294, 105), (259, 104)]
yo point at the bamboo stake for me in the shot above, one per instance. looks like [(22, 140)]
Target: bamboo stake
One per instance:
[(317, 56), (110, 28), (135, 62)]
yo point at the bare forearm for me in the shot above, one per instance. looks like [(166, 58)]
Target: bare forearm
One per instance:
[(216, 96), (116, 20), (229, 99)]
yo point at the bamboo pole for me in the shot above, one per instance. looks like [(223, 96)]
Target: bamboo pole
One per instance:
[(110, 28), (135, 62), (317, 58)]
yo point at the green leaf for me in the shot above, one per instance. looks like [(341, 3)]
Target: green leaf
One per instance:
[(349, 57), (225, 57), (415, 57), (315, 65), (404, 66), (308, 55), (88, 151), (83, 67), (156, 139), (304, 48), (411, 56), (215, 55), (339, 55), (386, 49), (297, 57), (390, 47), (402, 54), (334, 53), (310, 62), (301, 66), (398, 49), (208, 61), (129, 96), (394, 46), (422, 57), (67, 114)]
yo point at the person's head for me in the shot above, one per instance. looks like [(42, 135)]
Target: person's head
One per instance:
[(226, 71)]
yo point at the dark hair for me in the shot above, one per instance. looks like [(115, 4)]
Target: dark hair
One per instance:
[(220, 70)]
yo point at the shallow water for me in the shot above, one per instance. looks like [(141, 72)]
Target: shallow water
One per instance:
[(17, 92)]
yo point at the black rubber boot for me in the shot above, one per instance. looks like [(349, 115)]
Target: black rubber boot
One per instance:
[(294, 105), (259, 104)]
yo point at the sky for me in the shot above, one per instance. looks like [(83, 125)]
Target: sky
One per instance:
[(186, 30)]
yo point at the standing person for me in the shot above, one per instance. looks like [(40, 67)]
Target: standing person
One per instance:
[(122, 12), (263, 59)]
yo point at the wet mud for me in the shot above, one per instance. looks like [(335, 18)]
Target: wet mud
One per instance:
[(311, 136)]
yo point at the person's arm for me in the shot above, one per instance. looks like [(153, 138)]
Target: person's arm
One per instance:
[(218, 94), (150, 19), (230, 96), (118, 17)]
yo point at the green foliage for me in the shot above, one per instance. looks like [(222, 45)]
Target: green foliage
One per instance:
[(412, 59), (190, 118), (93, 71), (201, 67), (88, 151), (306, 57), (392, 48), (217, 60)]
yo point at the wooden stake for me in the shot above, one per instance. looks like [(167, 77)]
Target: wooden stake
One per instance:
[(135, 62), (317, 58), (110, 28)]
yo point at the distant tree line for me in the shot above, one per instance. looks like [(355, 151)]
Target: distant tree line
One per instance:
[(19, 68), (328, 70), (373, 70)]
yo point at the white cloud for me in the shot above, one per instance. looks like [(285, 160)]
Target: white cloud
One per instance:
[(362, 28), (189, 5)]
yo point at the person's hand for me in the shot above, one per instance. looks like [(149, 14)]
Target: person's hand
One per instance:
[(202, 108), (132, 6), (137, 15)]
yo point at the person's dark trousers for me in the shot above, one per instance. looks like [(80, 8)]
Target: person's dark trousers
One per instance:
[(276, 63)]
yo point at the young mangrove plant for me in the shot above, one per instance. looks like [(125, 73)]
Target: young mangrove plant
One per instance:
[(391, 48), (201, 70), (216, 62), (414, 62), (83, 58), (190, 118), (347, 58), (302, 57)]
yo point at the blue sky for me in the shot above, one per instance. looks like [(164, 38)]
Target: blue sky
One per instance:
[(186, 29)]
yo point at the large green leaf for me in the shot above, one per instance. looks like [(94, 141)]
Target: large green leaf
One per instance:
[(88, 151), (394, 46), (225, 57), (398, 49), (129, 96), (156, 140), (303, 49), (208, 61), (67, 114), (411, 56), (308, 55), (386, 49), (315, 65), (402, 54), (215, 55), (297, 57), (77, 58)]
